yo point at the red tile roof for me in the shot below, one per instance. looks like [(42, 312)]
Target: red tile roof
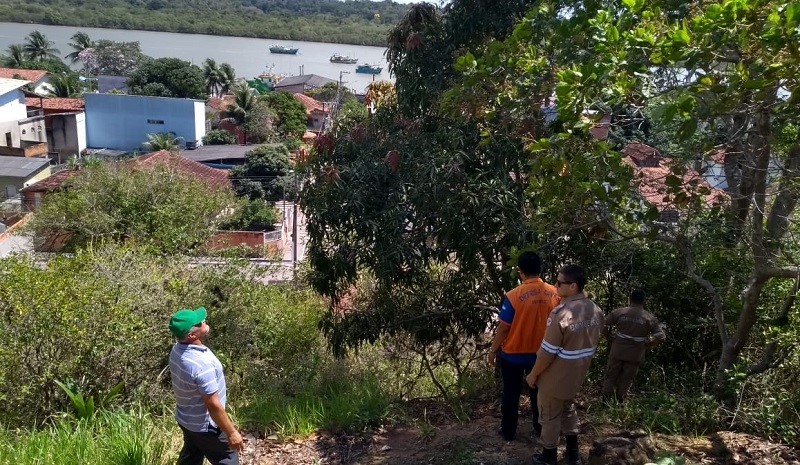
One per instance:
[(33, 75), (51, 183), (213, 176), (639, 153), (55, 103), (221, 104), (651, 184), (311, 104), (600, 129)]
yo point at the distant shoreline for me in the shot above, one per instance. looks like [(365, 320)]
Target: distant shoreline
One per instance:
[(317, 28)]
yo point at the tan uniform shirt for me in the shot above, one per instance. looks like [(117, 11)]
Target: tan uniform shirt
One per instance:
[(570, 340), (632, 329)]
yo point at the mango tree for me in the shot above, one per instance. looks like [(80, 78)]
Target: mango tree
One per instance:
[(714, 79)]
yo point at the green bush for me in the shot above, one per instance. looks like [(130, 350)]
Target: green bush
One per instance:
[(292, 144), (254, 215), (98, 318), (219, 137)]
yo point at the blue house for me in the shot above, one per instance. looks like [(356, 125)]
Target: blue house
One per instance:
[(122, 122)]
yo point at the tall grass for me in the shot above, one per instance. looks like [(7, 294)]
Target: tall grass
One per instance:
[(336, 401), (112, 438)]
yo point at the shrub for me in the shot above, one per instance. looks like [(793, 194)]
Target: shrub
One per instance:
[(219, 137), (98, 318), (292, 144)]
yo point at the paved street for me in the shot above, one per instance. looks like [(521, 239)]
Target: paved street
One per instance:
[(16, 244)]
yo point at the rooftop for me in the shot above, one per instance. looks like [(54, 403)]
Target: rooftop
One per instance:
[(55, 103), (50, 183), (7, 85), (208, 153), (310, 103), (311, 80), (214, 176), (33, 75), (21, 167), (651, 181)]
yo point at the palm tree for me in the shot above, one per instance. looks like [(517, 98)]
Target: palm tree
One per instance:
[(243, 103), (228, 78), (65, 85), (16, 56), (213, 77), (161, 141), (80, 42), (39, 48)]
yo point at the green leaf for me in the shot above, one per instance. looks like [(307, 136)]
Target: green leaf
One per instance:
[(792, 15), (613, 33), (756, 84), (687, 129), (466, 62)]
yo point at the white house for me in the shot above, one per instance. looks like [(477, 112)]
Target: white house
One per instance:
[(21, 134), (38, 80)]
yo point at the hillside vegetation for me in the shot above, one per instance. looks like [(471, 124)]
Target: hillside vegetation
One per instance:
[(359, 22)]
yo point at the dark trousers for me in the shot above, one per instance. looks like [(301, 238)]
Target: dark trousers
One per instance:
[(513, 379), (212, 445)]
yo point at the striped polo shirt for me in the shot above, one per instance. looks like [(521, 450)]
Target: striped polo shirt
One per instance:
[(196, 371)]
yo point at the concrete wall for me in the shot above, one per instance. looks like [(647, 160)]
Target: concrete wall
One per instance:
[(33, 129), (122, 122), (66, 134), (12, 108)]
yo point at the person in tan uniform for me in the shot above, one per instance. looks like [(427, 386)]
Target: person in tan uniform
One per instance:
[(631, 329), (570, 340)]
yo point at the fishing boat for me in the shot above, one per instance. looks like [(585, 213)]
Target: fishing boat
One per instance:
[(275, 48), (367, 68), (346, 59)]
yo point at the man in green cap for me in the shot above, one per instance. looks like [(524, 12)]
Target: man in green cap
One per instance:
[(200, 393)]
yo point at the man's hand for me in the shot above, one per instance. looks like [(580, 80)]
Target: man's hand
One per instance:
[(492, 358), (531, 380), (235, 441)]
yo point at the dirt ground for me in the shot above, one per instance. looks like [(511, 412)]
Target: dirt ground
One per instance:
[(442, 441)]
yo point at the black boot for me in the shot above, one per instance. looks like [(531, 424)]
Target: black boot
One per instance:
[(573, 452), (547, 457)]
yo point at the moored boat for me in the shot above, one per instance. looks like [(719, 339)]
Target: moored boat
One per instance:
[(276, 48), (346, 59), (367, 68)]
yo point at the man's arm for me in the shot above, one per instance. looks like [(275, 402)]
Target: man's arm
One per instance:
[(657, 335), (611, 321), (551, 345), (220, 417), (499, 336)]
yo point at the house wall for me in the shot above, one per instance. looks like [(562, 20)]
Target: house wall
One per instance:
[(32, 130), (66, 134), (122, 122), (295, 88), (199, 122), (10, 186), (315, 120), (12, 108)]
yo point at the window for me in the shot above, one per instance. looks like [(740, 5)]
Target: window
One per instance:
[(155, 121), (8, 139)]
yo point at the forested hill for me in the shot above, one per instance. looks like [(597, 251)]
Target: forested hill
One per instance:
[(360, 22)]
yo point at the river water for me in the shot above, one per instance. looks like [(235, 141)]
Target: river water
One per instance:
[(249, 57)]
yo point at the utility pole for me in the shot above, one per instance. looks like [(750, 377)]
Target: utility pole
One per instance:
[(295, 241), (338, 94)]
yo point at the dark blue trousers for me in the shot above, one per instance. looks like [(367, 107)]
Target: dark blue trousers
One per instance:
[(513, 381)]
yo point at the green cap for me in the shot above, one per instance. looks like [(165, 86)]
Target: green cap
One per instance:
[(184, 320)]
